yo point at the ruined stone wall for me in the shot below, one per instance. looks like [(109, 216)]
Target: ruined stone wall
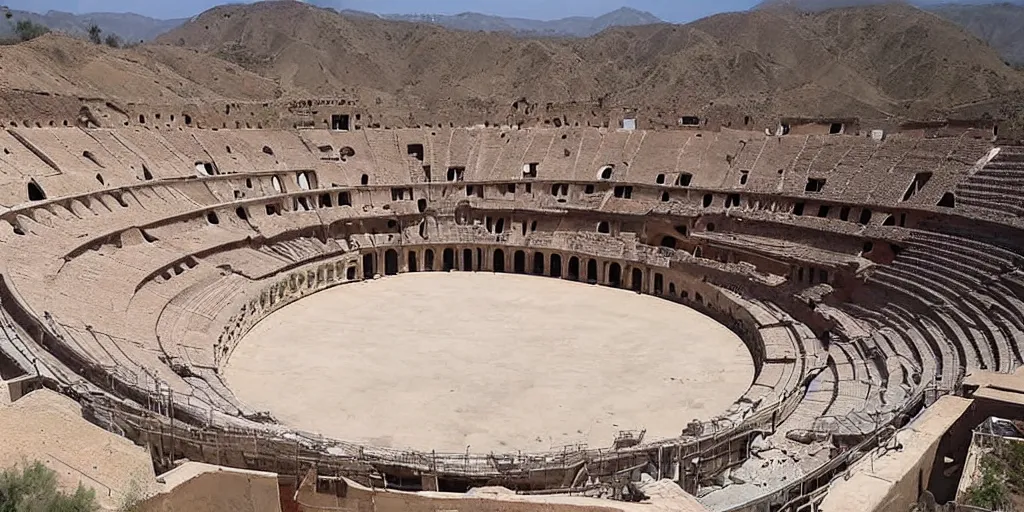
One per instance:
[(219, 491)]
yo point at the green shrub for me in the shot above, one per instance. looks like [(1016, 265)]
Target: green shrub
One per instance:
[(95, 34), (26, 30), (33, 488), (1002, 475)]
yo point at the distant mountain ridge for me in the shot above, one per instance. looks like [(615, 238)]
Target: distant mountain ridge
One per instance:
[(1000, 24), (130, 27), (575, 26)]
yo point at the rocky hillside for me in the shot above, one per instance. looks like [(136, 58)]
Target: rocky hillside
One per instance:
[(1000, 25), (129, 27), (577, 26), (879, 61)]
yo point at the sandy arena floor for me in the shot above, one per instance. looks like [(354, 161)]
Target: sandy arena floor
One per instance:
[(496, 362)]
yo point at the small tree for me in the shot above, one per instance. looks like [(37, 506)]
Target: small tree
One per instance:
[(113, 41), (26, 30), (94, 34), (33, 488)]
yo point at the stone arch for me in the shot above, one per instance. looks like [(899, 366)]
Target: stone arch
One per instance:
[(637, 280), (428, 260), (555, 267), (538, 263), (413, 262), (592, 271), (368, 270), (498, 261), (467, 260), (573, 269), (615, 274), (448, 259), (519, 262)]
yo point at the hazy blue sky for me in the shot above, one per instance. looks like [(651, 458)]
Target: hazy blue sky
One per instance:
[(669, 10)]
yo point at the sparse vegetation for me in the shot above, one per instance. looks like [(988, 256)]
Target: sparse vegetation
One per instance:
[(132, 498), (1002, 476), (95, 34), (112, 40), (27, 30), (33, 488)]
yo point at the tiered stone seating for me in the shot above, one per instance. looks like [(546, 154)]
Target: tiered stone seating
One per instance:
[(997, 185), (156, 274)]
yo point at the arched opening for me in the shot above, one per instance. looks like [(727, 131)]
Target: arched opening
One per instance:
[(428, 260), (659, 284), (448, 260), (350, 274), (555, 269), (603, 227), (302, 179), (276, 182), (865, 216), (35, 192), (708, 198), (605, 173), (241, 213), (592, 271), (390, 262), (211, 217), (637, 280), (467, 260), (573, 272), (615, 274), (538, 263), (669, 242), (421, 205), (698, 253), (368, 270), (519, 262), (672, 289), (413, 262), (364, 179), (498, 263)]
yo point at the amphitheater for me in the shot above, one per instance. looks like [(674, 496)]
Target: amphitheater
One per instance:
[(543, 308)]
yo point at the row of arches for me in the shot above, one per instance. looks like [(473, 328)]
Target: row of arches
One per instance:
[(509, 260)]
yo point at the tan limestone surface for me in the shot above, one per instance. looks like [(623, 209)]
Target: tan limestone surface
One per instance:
[(48, 427), (488, 362)]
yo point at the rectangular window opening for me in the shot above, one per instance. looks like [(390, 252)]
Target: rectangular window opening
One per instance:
[(339, 122)]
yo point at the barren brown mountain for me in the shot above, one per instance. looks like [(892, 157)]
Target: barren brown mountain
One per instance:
[(886, 61), (66, 66)]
